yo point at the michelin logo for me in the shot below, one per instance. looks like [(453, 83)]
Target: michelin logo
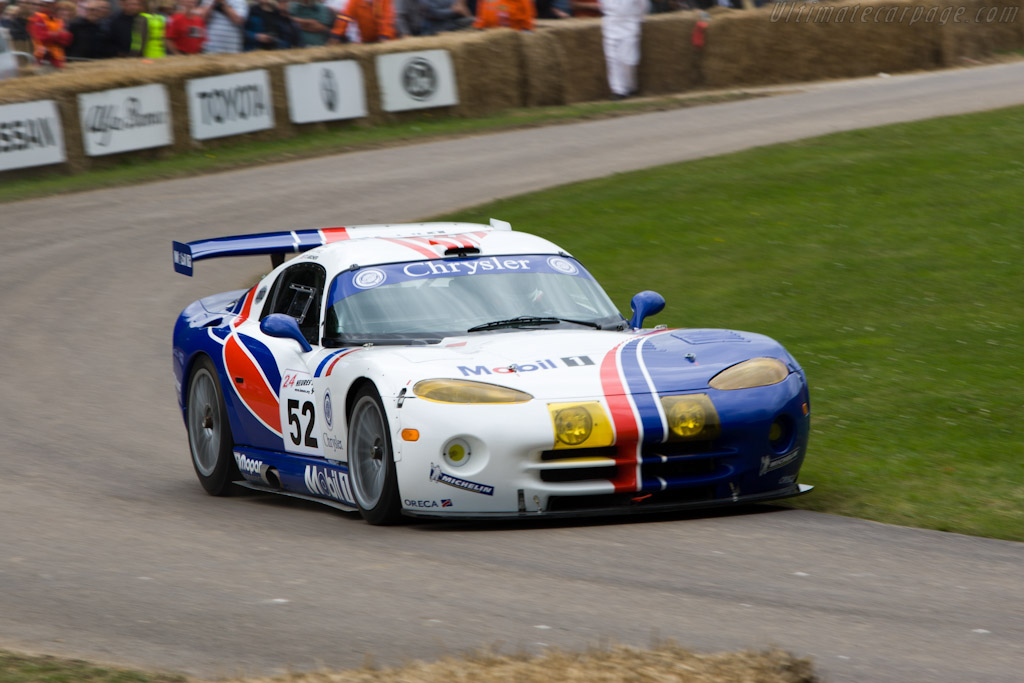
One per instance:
[(440, 477)]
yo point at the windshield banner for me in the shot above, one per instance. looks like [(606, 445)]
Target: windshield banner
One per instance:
[(355, 281)]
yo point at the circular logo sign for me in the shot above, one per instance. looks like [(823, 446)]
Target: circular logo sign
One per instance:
[(329, 89), (419, 78), (328, 410), (563, 266), (369, 278)]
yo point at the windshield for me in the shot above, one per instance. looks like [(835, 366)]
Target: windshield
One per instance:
[(430, 300)]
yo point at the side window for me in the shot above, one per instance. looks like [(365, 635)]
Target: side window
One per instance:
[(297, 293)]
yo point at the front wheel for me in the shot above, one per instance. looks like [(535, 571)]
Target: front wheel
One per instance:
[(370, 460), (209, 433)]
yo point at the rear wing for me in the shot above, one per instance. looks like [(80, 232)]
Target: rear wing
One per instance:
[(277, 244)]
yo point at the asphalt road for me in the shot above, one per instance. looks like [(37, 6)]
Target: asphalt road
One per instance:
[(111, 551)]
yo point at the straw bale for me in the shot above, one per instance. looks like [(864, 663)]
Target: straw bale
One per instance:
[(668, 60), (816, 41), (583, 68), (983, 30), (543, 68), (489, 71)]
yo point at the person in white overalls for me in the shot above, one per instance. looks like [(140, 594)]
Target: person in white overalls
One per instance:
[(620, 30)]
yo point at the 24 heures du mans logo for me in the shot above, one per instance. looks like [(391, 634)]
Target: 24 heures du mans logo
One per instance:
[(419, 78)]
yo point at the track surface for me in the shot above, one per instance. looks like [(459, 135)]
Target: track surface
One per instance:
[(111, 551)]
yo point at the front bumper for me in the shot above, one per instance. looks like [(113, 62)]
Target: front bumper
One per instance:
[(635, 508), (514, 471)]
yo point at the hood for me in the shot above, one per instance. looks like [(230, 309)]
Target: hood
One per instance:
[(551, 364)]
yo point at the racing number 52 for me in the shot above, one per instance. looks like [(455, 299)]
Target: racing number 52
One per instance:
[(293, 419)]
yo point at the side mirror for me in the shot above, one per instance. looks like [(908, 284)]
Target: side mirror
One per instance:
[(284, 327), (645, 304)]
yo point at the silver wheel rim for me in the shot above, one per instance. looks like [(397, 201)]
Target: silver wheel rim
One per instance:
[(204, 422), (367, 450)]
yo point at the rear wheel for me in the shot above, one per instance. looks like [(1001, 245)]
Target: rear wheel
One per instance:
[(209, 433), (370, 460)]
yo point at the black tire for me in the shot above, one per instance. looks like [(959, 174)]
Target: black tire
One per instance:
[(371, 459), (209, 431)]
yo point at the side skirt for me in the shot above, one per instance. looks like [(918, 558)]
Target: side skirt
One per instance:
[(292, 494), (299, 476)]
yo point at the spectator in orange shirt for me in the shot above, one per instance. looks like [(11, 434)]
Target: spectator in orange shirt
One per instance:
[(49, 35), (374, 19), (516, 14)]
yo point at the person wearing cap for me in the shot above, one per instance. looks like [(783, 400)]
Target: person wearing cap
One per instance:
[(49, 35)]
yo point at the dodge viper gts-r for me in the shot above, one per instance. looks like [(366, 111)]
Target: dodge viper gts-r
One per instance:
[(464, 370)]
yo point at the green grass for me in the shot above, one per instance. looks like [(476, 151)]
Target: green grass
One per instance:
[(230, 155), (15, 668), (889, 261)]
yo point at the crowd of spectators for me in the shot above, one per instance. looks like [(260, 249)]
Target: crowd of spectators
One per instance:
[(60, 30), (57, 31)]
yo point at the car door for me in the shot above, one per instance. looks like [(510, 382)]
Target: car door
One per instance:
[(297, 292)]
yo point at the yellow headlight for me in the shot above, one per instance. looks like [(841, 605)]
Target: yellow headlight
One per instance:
[(691, 416), (580, 425), (466, 391), (573, 425), (759, 372)]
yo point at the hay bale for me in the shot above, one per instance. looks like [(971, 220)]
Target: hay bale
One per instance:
[(489, 71), (734, 49), (543, 68), (983, 30), (583, 68), (668, 60), (812, 41)]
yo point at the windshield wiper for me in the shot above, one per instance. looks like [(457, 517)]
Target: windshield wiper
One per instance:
[(524, 320)]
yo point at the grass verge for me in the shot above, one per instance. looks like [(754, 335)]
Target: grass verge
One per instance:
[(134, 170), (888, 261), (666, 662), (17, 668)]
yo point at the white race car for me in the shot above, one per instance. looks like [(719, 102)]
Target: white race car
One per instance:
[(463, 370)]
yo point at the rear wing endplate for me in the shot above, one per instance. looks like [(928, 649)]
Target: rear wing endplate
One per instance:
[(296, 241)]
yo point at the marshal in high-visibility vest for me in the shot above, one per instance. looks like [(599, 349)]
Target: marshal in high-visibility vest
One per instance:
[(149, 42)]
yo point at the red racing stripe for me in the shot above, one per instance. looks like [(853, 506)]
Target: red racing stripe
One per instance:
[(626, 434), (259, 398), (423, 251), (246, 308), (335, 361), (329, 235)]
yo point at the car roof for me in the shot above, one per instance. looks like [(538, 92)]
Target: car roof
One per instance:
[(446, 239)]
